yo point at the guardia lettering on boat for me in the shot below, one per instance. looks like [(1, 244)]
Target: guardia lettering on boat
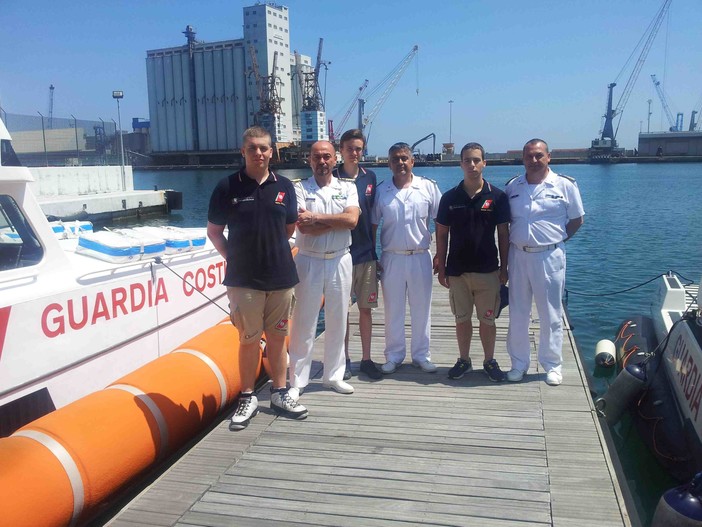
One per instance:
[(75, 314), (689, 376)]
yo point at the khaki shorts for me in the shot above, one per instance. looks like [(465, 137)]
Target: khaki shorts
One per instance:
[(479, 289), (254, 311), (364, 284)]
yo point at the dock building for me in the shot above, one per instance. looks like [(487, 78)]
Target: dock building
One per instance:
[(203, 95), (683, 144)]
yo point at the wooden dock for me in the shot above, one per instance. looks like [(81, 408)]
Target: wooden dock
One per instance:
[(411, 449)]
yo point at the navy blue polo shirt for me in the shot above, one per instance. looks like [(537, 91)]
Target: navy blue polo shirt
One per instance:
[(472, 224), (362, 242), (258, 252)]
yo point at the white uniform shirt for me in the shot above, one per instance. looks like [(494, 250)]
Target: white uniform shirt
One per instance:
[(331, 199), (406, 213), (540, 214)]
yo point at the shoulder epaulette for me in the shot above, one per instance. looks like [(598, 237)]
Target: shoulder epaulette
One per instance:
[(571, 179), (298, 180), (510, 180)]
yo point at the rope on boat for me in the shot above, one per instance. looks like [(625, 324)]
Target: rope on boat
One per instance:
[(160, 261), (568, 291)]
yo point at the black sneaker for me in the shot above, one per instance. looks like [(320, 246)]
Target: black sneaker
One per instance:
[(245, 410), (347, 371), (369, 368), (283, 404), (460, 369), (493, 371)]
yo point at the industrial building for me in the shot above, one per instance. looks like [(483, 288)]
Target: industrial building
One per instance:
[(670, 144), (203, 95)]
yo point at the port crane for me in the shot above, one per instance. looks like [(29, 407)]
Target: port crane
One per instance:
[(694, 122), (387, 85), (433, 148), (269, 106), (606, 145), (312, 100), (676, 125), (349, 111)]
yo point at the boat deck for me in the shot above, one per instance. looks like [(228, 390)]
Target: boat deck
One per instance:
[(410, 449)]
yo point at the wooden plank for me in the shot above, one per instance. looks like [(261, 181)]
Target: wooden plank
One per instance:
[(410, 449)]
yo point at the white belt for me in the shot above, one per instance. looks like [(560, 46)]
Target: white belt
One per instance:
[(328, 255), (411, 251), (537, 249)]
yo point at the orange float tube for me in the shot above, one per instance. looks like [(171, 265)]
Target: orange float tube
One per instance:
[(72, 459)]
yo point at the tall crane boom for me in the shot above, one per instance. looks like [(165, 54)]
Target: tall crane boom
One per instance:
[(675, 125), (345, 118), (389, 84), (649, 36)]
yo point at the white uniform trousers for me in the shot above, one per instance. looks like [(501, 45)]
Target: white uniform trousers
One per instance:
[(543, 276), (331, 280), (407, 278)]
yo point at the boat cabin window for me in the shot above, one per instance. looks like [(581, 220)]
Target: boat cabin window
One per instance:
[(8, 158), (19, 246)]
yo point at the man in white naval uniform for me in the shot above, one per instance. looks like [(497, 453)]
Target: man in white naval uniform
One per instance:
[(328, 210), (405, 204), (546, 210)]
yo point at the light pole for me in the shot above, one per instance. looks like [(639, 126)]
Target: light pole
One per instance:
[(117, 95), (450, 121), (43, 136), (102, 145), (75, 127)]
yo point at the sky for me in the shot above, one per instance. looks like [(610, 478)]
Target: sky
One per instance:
[(514, 70)]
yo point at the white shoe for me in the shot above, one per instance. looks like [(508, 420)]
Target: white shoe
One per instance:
[(245, 410), (295, 393), (426, 366), (390, 367), (515, 375), (339, 386), (553, 378)]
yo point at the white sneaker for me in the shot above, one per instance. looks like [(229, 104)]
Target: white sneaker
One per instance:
[(515, 375), (283, 404), (389, 367), (339, 386), (426, 366), (553, 378), (295, 393), (245, 410)]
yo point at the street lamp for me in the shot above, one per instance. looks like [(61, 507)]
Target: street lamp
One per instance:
[(117, 95), (450, 120), (75, 127), (43, 135)]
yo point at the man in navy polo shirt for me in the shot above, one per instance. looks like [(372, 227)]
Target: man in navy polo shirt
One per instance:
[(364, 284), (467, 218), (260, 210)]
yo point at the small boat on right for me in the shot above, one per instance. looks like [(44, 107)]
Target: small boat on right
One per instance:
[(659, 383)]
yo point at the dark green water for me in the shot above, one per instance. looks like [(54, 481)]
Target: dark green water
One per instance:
[(641, 221)]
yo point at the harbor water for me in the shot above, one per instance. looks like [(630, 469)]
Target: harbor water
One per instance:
[(641, 221)]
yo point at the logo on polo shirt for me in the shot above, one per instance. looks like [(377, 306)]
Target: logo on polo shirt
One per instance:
[(236, 201), (489, 313), (369, 190), (487, 205), (372, 297), (282, 323), (279, 198)]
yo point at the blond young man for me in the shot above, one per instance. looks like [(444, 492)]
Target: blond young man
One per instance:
[(260, 210)]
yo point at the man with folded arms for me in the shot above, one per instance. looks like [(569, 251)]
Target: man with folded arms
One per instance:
[(328, 210)]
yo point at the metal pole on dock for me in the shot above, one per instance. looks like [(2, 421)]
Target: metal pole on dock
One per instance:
[(43, 136)]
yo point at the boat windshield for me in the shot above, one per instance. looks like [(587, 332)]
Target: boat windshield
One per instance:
[(19, 246), (8, 158)]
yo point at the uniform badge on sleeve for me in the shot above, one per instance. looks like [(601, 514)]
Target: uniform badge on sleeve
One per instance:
[(282, 324), (369, 190), (279, 198)]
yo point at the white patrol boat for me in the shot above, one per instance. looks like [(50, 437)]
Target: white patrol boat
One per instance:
[(79, 309)]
